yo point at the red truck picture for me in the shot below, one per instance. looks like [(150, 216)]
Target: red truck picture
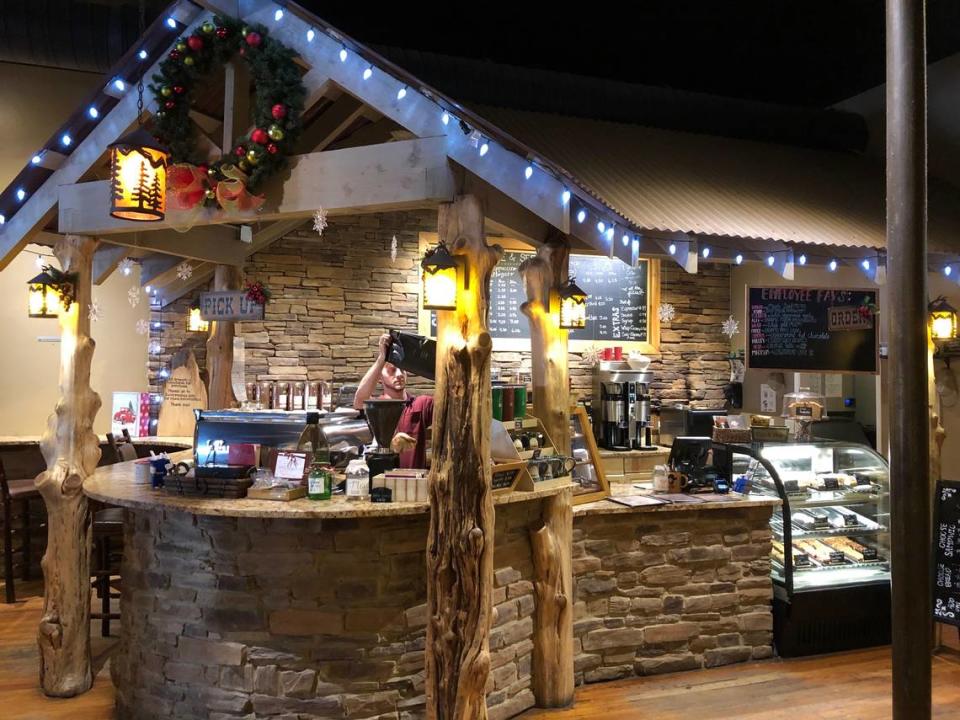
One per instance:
[(125, 416)]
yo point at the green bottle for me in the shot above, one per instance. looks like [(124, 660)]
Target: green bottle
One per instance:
[(319, 482)]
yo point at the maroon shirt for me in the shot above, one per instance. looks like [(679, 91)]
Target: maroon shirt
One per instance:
[(416, 418)]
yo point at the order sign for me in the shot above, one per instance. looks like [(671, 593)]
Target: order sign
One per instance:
[(229, 305)]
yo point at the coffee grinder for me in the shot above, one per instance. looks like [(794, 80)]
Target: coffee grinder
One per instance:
[(624, 419), (382, 418)]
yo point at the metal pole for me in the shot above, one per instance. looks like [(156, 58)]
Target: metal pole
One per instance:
[(909, 412)]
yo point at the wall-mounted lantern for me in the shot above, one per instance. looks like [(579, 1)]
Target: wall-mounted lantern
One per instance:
[(573, 306), (943, 319), (49, 293), (440, 279), (195, 323)]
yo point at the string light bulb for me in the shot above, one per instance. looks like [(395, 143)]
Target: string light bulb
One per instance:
[(311, 35), (802, 259), (581, 216), (36, 159), (343, 54), (119, 84), (367, 73), (865, 264), (484, 148), (93, 112), (171, 23), (445, 118), (947, 270), (601, 227), (832, 265), (142, 55), (278, 15), (401, 93), (565, 197), (528, 172), (21, 194), (65, 139), (738, 259), (705, 252), (770, 260), (625, 239), (672, 249)]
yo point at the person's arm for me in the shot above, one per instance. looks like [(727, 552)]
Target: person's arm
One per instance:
[(369, 382)]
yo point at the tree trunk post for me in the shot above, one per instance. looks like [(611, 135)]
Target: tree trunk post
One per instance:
[(220, 346), (72, 451), (542, 276), (460, 541), (552, 546)]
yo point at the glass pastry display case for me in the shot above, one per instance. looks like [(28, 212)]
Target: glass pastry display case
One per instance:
[(830, 558)]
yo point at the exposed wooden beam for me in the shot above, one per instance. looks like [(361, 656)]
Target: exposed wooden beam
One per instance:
[(207, 242), (41, 205), (236, 102), (376, 132), (105, 261), (392, 176), (505, 216), (155, 265), (328, 126), (178, 288)]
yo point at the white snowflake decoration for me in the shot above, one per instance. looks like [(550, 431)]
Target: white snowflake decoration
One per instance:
[(591, 356), (184, 270), (154, 348), (133, 296), (126, 266), (320, 221), (393, 249), (94, 311), (666, 312), (143, 327), (730, 327)]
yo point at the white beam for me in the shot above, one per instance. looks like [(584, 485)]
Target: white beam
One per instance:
[(685, 253), (38, 208), (392, 176)]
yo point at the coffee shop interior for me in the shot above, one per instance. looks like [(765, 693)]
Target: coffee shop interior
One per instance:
[(329, 392)]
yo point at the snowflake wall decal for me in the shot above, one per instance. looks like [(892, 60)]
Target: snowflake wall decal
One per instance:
[(591, 356), (666, 312), (184, 270), (125, 266), (94, 311), (133, 296), (320, 221), (143, 327), (730, 327), (393, 249), (154, 348)]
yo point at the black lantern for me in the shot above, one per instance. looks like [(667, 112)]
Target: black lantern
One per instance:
[(943, 319), (440, 279), (573, 306), (49, 294)]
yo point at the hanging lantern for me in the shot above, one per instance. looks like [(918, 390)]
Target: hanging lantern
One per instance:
[(49, 294), (573, 306), (440, 273), (138, 178), (195, 323), (943, 319)]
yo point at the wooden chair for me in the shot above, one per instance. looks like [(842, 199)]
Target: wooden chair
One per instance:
[(19, 465), (107, 554), (122, 451)]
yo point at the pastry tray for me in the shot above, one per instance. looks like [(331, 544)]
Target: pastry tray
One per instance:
[(863, 526)]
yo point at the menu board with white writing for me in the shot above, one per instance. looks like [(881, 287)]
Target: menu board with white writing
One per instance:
[(832, 330), (946, 553), (617, 304)]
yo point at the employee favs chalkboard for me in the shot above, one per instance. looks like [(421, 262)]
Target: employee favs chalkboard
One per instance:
[(618, 303), (812, 329), (946, 553)]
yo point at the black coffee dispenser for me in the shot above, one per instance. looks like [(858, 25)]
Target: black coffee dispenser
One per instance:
[(382, 416)]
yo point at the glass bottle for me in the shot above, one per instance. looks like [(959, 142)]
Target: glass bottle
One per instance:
[(319, 482)]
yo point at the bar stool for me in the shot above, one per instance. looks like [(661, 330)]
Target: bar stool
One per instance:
[(18, 467), (107, 553)]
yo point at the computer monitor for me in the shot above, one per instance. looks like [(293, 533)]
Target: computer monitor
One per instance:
[(690, 449)]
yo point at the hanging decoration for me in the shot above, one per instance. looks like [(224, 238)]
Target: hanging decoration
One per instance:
[(125, 266), (666, 312), (50, 293), (257, 292), (184, 270), (143, 327), (393, 249), (867, 307), (591, 356), (319, 221), (440, 279), (231, 181), (730, 327), (94, 311), (154, 348), (133, 296)]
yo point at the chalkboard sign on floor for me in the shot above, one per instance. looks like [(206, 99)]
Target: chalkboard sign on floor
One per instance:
[(946, 553), (806, 329), (618, 305)]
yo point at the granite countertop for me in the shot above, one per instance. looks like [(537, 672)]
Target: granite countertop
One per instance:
[(114, 484), (660, 450), (186, 442), (726, 502)]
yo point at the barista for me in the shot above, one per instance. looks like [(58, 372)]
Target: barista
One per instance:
[(411, 437)]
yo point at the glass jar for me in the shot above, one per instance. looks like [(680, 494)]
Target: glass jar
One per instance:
[(281, 397), (296, 398)]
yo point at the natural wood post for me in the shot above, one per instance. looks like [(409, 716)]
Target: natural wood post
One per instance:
[(72, 451), (542, 276), (552, 545), (220, 345), (460, 542)]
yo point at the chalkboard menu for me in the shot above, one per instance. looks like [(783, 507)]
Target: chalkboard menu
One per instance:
[(812, 329), (946, 553), (617, 306)]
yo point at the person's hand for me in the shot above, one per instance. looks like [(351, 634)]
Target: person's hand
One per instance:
[(402, 442), (384, 345)]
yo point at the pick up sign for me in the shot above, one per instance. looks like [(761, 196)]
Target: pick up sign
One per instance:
[(229, 305)]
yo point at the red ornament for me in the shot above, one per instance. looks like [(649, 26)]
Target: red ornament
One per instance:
[(279, 111), (239, 151), (195, 43), (260, 136), (253, 39), (222, 33), (169, 104), (202, 168), (174, 55), (272, 149), (179, 89)]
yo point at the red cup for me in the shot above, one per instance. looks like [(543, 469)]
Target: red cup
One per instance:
[(607, 353), (618, 353)]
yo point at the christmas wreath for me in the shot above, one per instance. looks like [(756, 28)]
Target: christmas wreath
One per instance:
[(279, 92)]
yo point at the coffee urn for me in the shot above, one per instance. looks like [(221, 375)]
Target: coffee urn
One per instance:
[(382, 417), (623, 417)]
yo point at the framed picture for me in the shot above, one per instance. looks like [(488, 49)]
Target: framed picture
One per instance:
[(590, 481)]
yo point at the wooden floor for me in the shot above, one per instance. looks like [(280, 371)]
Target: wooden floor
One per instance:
[(847, 686)]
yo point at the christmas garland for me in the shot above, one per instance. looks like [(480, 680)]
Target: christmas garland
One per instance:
[(279, 94)]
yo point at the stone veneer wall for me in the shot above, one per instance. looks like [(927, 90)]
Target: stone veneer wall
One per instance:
[(228, 618), (333, 296), (662, 591)]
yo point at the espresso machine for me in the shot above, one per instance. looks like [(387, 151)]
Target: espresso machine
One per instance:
[(382, 418), (624, 416)]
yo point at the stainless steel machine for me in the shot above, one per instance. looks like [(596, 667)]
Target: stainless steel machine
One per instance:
[(623, 407)]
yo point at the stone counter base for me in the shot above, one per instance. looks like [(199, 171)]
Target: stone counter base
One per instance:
[(658, 592), (228, 618)]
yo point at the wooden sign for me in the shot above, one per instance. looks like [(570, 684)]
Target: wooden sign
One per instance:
[(183, 393), (809, 329), (946, 553), (229, 305)]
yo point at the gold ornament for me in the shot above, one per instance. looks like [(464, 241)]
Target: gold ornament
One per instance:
[(211, 172), (181, 46), (275, 132), (243, 165), (210, 194), (207, 27), (188, 60), (166, 91), (252, 157)]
